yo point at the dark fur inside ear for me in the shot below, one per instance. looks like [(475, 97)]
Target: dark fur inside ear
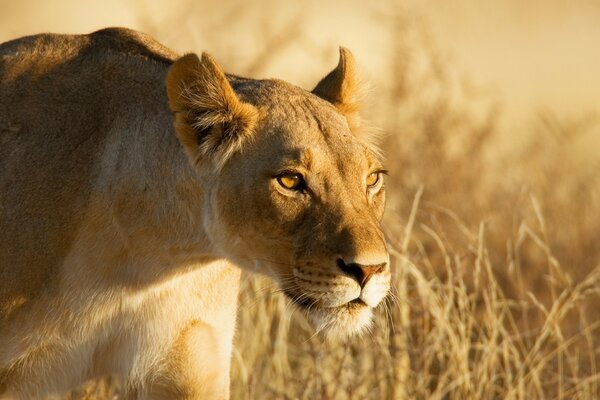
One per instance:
[(340, 88), (210, 120)]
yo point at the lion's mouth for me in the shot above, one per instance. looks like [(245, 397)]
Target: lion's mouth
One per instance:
[(358, 301), (308, 303), (339, 321)]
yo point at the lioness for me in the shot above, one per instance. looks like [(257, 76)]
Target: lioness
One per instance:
[(134, 183)]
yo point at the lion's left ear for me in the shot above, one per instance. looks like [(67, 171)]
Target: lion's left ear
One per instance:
[(340, 87), (210, 120)]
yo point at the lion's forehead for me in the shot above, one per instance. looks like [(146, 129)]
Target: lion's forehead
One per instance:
[(299, 129), (288, 105), (313, 151)]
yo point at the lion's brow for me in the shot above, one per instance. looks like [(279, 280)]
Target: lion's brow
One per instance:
[(301, 156), (306, 157)]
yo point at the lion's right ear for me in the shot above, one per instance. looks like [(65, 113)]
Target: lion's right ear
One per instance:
[(210, 119), (341, 88)]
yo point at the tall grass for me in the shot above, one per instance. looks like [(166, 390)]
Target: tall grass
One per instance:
[(495, 243)]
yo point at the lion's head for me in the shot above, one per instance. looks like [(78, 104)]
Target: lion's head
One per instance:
[(290, 187)]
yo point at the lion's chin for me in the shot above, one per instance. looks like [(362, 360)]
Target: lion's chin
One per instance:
[(335, 323), (341, 322)]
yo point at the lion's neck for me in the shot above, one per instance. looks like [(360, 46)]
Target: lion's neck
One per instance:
[(154, 226)]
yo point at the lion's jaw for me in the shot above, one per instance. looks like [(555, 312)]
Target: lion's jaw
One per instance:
[(345, 308)]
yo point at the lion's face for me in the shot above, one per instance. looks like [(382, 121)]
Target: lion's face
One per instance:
[(301, 200)]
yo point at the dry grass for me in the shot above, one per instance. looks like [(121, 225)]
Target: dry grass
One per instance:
[(495, 242)]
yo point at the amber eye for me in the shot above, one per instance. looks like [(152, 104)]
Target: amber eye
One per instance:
[(291, 181), (373, 179)]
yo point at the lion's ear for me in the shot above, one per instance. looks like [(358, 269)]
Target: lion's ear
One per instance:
[(210, 119), (340, 87)]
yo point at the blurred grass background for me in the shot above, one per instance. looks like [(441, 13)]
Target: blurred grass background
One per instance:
[(492, 138)]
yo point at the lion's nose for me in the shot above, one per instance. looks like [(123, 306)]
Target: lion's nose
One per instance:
[(361, 273)]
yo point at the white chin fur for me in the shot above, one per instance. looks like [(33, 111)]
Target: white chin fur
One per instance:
[(342, 322)]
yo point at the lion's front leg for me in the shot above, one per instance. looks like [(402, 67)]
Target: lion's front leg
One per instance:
[(197, 367)]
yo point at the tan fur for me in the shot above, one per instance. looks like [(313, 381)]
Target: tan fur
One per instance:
[(120, 256), (340, 87)]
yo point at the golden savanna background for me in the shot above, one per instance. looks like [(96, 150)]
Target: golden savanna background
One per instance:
[(490, 114)]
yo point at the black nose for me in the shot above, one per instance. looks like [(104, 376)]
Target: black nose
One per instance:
[(361, 273)]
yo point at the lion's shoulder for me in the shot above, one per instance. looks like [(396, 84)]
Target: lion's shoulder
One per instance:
[(65, 100), (132, 43), (45, 51)]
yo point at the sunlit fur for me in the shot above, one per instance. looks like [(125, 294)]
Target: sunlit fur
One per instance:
[(134, 183)]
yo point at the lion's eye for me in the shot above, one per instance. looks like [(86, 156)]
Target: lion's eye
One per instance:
[(373, 179), (291, 181)]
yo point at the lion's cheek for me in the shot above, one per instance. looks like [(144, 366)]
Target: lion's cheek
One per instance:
[(244, 224)]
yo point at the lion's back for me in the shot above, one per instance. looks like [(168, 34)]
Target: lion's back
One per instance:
[(60, 96)]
